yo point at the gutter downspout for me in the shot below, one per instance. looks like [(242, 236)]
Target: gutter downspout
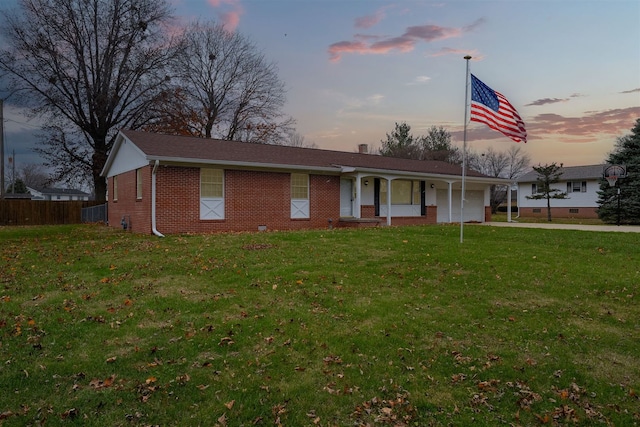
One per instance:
[(153, 200)]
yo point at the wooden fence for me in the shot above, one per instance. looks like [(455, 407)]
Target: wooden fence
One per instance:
[(42, 212)]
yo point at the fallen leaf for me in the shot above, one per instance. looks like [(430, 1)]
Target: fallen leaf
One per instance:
[(226, 341), (230, 404), (70, 413)]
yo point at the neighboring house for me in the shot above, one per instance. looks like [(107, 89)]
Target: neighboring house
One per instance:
[(581, 184), (57, 194), (178, 184)]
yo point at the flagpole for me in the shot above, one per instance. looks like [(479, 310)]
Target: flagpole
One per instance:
[(464, 149)]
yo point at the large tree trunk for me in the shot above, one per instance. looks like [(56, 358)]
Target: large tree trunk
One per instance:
[(99, 159)]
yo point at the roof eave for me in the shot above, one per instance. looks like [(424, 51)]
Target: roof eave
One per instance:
[(240, 164), (382, 172)]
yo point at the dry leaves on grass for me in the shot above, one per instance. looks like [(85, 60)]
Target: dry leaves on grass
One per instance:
[(397, 411)]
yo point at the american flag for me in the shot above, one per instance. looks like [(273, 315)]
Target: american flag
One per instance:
[(493, 109)]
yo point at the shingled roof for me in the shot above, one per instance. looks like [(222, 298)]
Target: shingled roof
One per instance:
[(570, 173), (171, 148)]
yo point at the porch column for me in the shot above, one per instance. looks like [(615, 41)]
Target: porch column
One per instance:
[(509, 203), (358, 200), (388, 201), (450, 197)]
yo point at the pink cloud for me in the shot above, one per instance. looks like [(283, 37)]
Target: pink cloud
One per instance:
[(230, 14), (612, 122), (337, 49), (403, 43), (430, 33), (590, 127), (371, 20)]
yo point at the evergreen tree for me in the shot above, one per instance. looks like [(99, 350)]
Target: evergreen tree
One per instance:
[(400, 143), (626, 153), (436, 145), (547, 175), (18, 187)]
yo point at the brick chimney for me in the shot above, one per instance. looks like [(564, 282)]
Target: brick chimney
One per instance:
[(363, 148)]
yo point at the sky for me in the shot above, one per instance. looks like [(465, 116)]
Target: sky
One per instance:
[(354, 68)]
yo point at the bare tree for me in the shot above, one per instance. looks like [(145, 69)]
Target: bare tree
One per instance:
[(508, 164), (34, 175), (88, 68), (297, 140), (225, 89)]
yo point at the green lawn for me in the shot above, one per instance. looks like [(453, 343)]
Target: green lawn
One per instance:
[(502, 217), (386, 326)]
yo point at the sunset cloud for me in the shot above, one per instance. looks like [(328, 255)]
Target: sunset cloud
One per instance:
[(590, 127), (545, 101), (591, 124), (402, 43), (632, 90), (229, 12)]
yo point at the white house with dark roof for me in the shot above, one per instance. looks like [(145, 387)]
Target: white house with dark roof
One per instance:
[(178, 184), (581, 183), (57, 194)]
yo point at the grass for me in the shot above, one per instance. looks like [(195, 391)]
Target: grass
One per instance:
[(386, 326), (502, 217)]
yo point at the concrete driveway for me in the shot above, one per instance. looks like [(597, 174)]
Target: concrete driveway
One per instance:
[(554, 226)]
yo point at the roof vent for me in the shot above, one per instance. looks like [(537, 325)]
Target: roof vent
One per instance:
[(363, 148)]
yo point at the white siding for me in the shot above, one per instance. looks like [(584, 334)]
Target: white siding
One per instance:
[(473, 206), (575, 200), (127, 158)]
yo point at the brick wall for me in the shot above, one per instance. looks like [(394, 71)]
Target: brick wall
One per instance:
[(431, 217), (589, 212), (137, 212), (487, 213), (252, 199)]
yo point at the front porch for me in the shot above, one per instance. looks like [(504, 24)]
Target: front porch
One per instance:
[(371, 199)]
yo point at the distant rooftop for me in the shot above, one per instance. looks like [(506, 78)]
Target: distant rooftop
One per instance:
[(570, 173), (65, 191)]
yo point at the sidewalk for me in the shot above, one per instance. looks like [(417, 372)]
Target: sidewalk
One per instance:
[(553, 226)]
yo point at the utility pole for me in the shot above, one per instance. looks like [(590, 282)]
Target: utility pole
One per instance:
[(12, 161), (1, 149)]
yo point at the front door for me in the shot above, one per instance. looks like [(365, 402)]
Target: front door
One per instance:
[(346, 197)]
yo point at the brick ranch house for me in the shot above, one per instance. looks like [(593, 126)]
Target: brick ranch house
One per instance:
[(164, 184), (581, 183)]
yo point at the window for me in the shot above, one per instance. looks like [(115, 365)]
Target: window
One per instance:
[(534, 188), (403, 192), (299, 186), (138, 184), (115, 188), (416, 196), (211, 194), (211, 183), (537, 210), (574, 211), (299, 196), (577, 187)]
